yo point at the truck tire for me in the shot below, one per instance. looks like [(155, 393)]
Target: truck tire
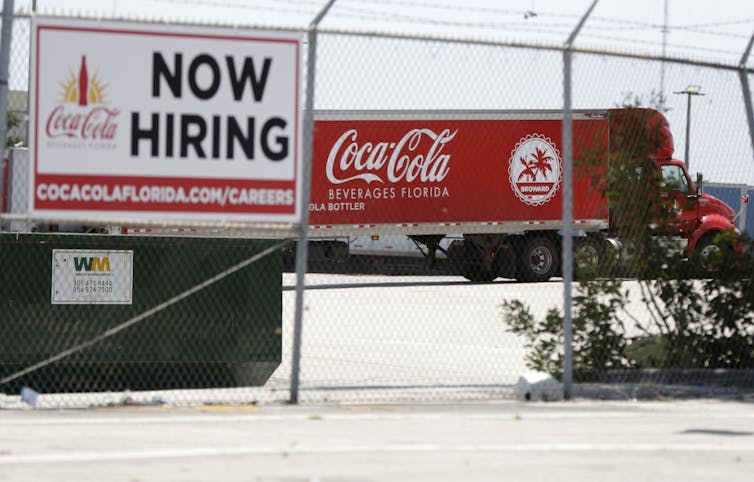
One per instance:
[(466, 259), (708, 254), (479, 274), (587, 255), (539, 260)]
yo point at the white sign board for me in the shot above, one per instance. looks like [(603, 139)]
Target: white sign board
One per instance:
[(82, 276), (141, 121)]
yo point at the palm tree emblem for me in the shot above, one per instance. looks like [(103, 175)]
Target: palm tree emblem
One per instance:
[(534, 169), (538, 163)]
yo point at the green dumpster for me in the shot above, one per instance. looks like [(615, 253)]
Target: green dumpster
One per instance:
[(151, 313)]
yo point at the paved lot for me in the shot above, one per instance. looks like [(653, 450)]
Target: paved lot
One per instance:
[(431, 334), (700, 440)]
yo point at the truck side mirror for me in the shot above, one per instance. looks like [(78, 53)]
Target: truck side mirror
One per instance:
[(699, 184)]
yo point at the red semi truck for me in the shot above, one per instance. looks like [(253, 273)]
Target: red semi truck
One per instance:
[(496, 177)]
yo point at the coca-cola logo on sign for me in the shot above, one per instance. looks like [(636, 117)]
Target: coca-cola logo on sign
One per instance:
[(535, 169), (415, 157), (82, 112)]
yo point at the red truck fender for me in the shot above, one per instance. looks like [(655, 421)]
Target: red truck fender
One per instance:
[(712, 223)]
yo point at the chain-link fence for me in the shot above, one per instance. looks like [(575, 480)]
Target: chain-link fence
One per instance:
[(439, 170)]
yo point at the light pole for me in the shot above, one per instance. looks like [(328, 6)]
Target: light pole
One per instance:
[(690, 90)]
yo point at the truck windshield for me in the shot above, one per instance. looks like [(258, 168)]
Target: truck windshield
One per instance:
[(674, 179)]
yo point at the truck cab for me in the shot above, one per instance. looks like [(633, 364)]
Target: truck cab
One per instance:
[(696, 216), (691, 214)]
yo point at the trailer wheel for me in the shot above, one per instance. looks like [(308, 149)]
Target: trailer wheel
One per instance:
[(587, 255), (478, 274), (466, 258), (539, 260)]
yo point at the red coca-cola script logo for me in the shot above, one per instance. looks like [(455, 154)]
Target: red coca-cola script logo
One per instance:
[(535, 169), (83, 112), (416, 157)]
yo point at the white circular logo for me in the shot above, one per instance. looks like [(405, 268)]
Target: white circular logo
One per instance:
[(535, 169)]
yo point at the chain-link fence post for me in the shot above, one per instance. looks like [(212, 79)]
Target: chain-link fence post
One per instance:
[(568, 208), (4, 70), (744, 74), (301, 247)]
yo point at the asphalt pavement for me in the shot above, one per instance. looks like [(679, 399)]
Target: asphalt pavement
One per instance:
[(580, 440)]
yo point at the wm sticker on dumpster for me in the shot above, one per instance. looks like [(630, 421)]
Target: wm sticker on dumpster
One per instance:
[(92, 277)]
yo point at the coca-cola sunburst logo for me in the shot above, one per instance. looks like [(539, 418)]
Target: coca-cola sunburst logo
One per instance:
[(535, 169), (82, 111)]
